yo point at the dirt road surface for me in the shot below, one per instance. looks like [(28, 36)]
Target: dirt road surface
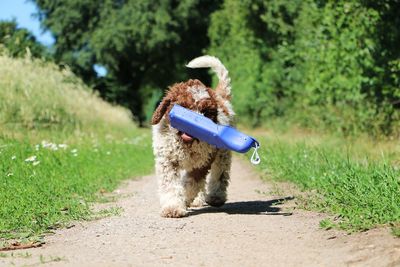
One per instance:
[(251, 229)]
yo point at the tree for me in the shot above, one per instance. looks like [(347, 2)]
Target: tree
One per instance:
[(142, 44), (17, 40), (332, 64)]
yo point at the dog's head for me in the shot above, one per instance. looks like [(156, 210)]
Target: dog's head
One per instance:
[(194, 95)]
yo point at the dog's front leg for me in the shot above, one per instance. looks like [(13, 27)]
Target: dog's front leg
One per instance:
[(171, 190), (218, 179), (193, 186)]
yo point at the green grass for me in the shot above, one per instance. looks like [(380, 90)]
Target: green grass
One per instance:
[(355, 181), (60, 147), (58, 185)]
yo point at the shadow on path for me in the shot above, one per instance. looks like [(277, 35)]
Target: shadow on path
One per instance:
[(247, 207)]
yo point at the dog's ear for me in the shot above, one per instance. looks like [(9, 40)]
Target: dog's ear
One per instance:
[(160, 111)]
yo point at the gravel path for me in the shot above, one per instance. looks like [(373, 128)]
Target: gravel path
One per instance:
[(252, 229)]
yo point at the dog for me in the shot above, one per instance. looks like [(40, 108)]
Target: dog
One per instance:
[(191, 172)]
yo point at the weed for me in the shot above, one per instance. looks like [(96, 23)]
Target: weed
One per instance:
[(396, 229), (113, 211), (44, 260)]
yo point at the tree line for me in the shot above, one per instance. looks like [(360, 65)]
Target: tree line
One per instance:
[(322, 64)]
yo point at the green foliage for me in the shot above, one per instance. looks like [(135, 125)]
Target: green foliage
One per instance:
[(332, 65), (362, 191), (321, 64), (142, 44), (17, 41)]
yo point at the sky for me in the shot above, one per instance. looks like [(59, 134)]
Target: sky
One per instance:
[(22, 11)]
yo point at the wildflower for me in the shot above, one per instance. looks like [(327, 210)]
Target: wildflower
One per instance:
[(46, 144), (73, 151), (10, 174), (49, 145), (63, 146), (13, 157), (53, 147), (37, 147), (31, 159)]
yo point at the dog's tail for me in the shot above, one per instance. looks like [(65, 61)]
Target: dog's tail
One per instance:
[(224, 85)]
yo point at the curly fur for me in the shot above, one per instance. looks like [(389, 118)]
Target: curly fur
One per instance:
[(191, 173)]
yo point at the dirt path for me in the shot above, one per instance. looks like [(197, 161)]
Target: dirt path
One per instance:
[(250, 230)]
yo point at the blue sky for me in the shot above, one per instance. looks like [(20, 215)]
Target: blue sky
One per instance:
[(22, 11)]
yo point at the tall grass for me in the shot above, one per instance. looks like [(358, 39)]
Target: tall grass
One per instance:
[(36, 94), (60, 147)]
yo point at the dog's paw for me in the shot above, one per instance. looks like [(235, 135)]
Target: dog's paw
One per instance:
[(173, 212), (216, 201), (198, 203)]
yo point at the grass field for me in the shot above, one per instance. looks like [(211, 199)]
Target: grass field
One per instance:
[(46, 185), (355, 180), (61, 146)]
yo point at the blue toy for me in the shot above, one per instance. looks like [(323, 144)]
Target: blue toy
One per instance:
[(206, 130)]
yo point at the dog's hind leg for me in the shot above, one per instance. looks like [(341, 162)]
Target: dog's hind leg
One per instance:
[(171, 190), (218, 179)]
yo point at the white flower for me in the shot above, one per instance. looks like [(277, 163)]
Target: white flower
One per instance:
[(49, 145), (46, 144), (13, 157), (37, 147), (63, 146), (35, 163), (30, 159)]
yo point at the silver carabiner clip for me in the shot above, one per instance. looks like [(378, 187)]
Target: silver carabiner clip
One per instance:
[(255, 158)]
